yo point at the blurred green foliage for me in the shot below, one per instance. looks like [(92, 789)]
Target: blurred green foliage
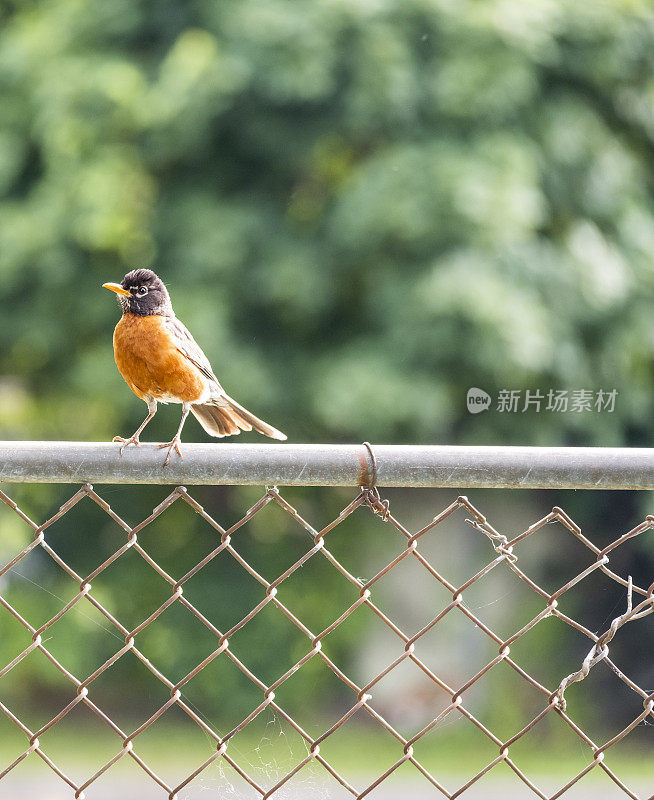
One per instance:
[(360, 209)]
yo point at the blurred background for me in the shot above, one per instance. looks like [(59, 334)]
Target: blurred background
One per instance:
[(361, 210)]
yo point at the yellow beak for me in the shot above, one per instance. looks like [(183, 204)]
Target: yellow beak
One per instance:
[(116, 287)]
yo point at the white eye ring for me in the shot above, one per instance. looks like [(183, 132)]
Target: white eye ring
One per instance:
[(142, 291)]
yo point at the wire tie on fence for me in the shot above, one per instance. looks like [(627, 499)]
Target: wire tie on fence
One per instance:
[(600, 650), (370, 492), (499, 542)]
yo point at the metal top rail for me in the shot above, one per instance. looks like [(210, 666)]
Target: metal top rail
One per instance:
[(331, 465)]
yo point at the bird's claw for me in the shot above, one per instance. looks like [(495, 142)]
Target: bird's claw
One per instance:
[(172, 445), (125, 442)]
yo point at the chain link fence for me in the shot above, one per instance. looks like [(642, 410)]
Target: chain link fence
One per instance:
[(503, 554)]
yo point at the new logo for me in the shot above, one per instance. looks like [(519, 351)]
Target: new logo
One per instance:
[(478, 400)]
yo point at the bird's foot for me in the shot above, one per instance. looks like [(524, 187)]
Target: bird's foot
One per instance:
[(125, 442), (174, 445)]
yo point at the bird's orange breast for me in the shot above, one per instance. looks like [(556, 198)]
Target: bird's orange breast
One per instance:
[(150, 363)]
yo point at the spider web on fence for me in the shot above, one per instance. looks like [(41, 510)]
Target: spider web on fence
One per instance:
[(506, 554)]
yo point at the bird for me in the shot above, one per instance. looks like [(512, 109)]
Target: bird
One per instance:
[(162, 363)]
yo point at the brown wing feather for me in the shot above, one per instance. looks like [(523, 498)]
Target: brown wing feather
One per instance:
[(189, 348), (221, 415)]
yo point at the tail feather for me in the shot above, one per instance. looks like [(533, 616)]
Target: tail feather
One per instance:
[(223, 416)]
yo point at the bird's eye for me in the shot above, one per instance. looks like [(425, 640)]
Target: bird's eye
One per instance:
[(142, 291)]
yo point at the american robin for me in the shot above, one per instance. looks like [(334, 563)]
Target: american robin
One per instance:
[(162, 363)]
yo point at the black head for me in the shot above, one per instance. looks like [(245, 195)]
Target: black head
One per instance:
[(143, 293)]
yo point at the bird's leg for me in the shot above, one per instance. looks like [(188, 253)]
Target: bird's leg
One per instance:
[(134, 438), (186, 407)]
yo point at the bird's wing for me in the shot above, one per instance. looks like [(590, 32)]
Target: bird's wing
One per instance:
[(189, 348)]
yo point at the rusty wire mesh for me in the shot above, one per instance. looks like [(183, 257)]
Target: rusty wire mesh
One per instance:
[(639, 601)]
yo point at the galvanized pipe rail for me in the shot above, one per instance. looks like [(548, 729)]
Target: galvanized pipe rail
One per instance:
[(331, 465)]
